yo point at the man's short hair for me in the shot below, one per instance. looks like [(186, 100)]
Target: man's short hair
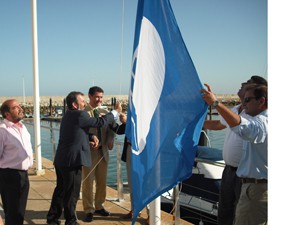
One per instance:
[(95, 89), (4, 108), (258, 80), (72, 97)]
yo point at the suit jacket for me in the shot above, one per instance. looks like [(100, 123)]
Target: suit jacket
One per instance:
[(124, 152), (73, 146), (107, 131)]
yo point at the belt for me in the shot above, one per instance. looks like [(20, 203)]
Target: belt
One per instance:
[(9, 169), (253, 180), (232, 167)]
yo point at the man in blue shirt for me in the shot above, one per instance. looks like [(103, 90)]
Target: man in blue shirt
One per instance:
[(252, 207), (230, 188)]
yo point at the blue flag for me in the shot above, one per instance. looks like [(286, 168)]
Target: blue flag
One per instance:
[(166, 111)]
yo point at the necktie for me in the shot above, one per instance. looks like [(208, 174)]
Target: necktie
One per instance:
[(96, 115)]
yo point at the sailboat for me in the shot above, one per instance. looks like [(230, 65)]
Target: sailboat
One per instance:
[(199, 194)]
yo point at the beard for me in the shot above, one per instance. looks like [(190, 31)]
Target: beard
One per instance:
[(18, 117)]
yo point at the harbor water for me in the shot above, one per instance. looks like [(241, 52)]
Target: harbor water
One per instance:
[(50, 137)]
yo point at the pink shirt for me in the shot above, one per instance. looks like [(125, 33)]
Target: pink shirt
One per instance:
[(15, 146)]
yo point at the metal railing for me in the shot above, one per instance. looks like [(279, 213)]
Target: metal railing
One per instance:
[(53, 140)]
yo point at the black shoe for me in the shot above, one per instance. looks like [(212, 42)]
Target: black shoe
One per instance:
[(53, 221), (102, 212), (128, 215), (73, 223), (88, 217)]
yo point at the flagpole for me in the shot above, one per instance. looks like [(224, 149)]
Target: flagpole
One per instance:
[(24, 101), (155, 217), (37, 126)]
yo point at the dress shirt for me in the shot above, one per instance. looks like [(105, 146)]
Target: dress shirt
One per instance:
[(115, 113), (15, 146), (92, 112), (233, 143), (254, 131)]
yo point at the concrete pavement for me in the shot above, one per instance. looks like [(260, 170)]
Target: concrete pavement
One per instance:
[(40, 194)]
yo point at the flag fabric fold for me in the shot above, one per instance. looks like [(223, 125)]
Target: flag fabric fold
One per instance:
[(166, 111)]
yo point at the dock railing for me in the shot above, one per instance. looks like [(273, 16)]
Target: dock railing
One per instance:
[(51, 145)]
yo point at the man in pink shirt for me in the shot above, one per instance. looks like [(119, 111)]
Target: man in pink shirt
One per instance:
[(15, 160)]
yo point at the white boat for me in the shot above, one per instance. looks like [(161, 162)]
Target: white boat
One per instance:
[(199, 194)]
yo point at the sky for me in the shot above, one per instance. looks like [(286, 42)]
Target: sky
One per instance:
[(85, 43)]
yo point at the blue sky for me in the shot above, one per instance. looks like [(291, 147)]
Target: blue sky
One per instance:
[(80, 43)]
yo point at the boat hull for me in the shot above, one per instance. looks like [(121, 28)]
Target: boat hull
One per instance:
[(199, 194)]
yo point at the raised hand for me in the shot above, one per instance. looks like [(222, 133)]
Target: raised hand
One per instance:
[(118, 107)]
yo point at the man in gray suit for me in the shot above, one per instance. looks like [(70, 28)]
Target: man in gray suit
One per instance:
[(72, 153)]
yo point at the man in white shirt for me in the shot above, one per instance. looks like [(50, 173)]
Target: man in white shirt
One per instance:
[(232, 153), (15, 159)]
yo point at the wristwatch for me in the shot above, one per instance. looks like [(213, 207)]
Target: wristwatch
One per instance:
[(215, 103)]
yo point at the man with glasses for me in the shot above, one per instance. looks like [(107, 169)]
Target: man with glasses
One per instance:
[(232, 152), (253, 167)]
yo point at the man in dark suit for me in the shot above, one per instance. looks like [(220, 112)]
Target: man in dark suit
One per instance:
[(72, 153)]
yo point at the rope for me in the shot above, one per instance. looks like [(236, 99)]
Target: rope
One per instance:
[(93, 169), (205, 134)]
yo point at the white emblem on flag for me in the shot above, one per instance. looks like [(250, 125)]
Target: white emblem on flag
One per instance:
[(149, 79)]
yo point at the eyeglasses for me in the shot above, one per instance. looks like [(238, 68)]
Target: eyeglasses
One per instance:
[(248, 99)]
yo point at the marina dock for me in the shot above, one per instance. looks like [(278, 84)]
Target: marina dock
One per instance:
[(40, 194)]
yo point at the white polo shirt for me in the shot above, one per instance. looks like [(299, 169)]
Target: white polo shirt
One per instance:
[(233, 143)]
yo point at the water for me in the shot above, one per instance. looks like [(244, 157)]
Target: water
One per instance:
[(216, 139), (47, 149)]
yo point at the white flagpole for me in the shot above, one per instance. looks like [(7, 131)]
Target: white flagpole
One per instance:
[(37, 131), (24, 101), (155, 212)]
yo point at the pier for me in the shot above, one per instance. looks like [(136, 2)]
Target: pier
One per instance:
[(40, 195)]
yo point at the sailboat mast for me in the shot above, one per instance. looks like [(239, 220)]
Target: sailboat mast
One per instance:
[(24, 101), (122, 37)]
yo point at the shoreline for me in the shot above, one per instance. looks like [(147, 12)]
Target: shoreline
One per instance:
[(58, 100)]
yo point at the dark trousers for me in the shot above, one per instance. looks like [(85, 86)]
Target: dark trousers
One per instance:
[(229, 196), (66, 194), (14, 188)]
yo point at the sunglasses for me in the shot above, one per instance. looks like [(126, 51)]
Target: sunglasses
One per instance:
[(248, 99)]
